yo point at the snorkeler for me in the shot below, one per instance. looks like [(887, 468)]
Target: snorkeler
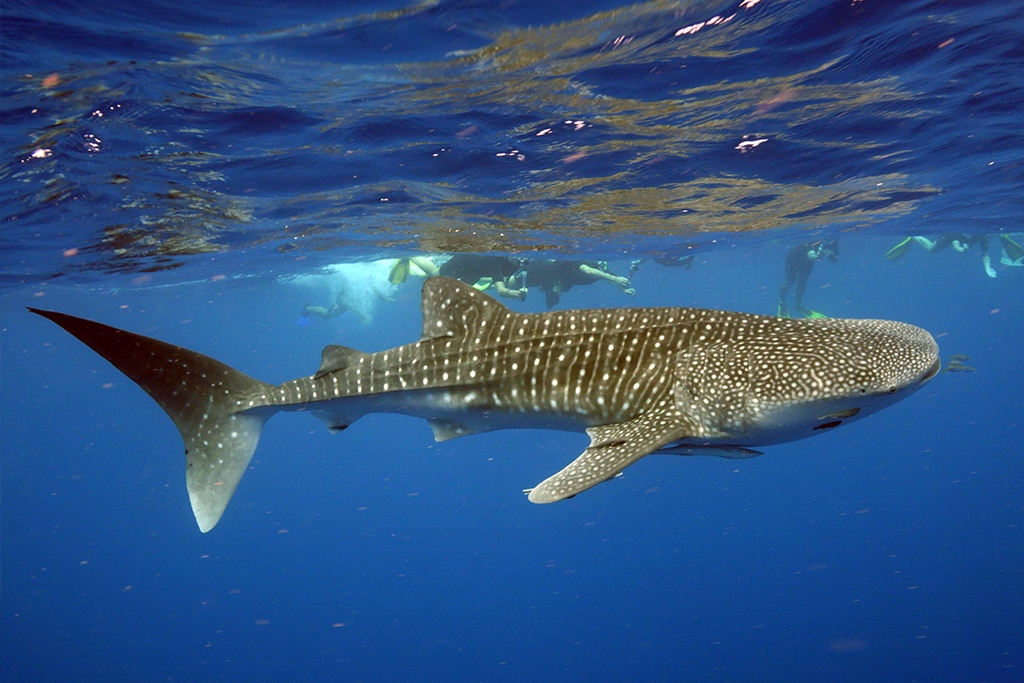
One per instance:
[(555, 277), (337, 308), (961, 242), (352, 288), (800, 262), (505, 274)]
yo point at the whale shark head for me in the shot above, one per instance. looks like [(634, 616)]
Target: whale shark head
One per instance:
[(792, 380)]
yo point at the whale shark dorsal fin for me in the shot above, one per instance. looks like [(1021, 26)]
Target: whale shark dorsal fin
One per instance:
[(612, 448), (452, 308)]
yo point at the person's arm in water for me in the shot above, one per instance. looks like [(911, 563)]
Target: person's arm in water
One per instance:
[(504, 290), (986, 261), (617, 280)]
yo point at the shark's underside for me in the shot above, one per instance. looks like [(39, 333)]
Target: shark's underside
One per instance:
[(640, 380)]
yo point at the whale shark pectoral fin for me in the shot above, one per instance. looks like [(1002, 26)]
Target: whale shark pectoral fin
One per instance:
[(612, 448)]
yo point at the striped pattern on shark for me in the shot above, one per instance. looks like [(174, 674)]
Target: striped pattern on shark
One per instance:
[(638, 381)]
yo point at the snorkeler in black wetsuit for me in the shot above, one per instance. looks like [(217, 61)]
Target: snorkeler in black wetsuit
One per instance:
[(800, 262), (500, 271), (505, 274), (554, 277)]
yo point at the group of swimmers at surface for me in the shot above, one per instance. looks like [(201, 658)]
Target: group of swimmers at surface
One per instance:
[(512, 278), (502, 276), (801, 258), (1013, 253)]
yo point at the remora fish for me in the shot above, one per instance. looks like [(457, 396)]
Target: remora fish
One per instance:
[(638, 380)]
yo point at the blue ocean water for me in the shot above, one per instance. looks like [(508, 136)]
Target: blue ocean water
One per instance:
[(201, 173)]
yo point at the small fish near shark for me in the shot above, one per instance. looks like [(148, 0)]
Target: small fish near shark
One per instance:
[(684, 381)]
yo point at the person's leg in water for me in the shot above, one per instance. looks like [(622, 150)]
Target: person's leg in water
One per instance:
[(783, 312), (801, 286), (925, 243), (798, 267)]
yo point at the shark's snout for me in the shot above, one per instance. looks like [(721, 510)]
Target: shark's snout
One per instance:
[(932, 372)]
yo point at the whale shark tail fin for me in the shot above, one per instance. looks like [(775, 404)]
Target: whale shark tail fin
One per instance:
[(219, 411)]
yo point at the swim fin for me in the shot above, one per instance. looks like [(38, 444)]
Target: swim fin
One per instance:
[(814, 314), (900, 249), (399, 272), (483, 284), (1013, 250)]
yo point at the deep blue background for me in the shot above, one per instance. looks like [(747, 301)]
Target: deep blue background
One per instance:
[(892, 549)]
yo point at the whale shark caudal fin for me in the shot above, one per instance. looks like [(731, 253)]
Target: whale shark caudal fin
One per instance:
[(215, 407)]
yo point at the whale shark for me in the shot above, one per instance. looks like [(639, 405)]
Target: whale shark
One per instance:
[(683, 381)]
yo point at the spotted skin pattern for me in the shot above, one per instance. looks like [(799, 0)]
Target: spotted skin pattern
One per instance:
[(639, 380)]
